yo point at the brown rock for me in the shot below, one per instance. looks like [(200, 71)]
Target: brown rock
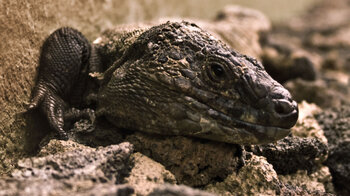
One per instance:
[(307, 125), (320, 180), (147, 175), (255, 177), (181, 190), (194, 162)]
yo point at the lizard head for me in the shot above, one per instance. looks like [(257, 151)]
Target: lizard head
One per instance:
[(178, 79)]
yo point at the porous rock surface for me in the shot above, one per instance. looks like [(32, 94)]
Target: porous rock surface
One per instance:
[(336, 125), (310, 152), (307, 125), (258, 177), (69, 168), (75, 170), (146, 175), (181, 190), (194, 162), (317, 181), (213, 165)]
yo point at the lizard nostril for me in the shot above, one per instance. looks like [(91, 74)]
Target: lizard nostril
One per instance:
[(278, 108), (283, 106)]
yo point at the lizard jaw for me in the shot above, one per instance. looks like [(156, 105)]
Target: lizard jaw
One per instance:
[(216, 125)]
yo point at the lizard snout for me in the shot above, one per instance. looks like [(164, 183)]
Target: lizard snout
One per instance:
[(276, 106), (280, 109)]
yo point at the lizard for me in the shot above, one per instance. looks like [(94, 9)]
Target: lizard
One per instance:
[(170, 79)]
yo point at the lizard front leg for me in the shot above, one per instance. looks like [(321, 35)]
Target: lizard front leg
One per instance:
[(63, 74)]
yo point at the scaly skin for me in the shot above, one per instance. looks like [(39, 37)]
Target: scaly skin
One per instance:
[(176, 79)]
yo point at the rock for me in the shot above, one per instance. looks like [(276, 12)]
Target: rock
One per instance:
[(73, 169), (42, 187), (318, 181), (339, 165), (147, 175), (104, 164), (181, 190), (291, 154), (256, 176), (336, 125), (307, 125), (194, 162), (55, 146)]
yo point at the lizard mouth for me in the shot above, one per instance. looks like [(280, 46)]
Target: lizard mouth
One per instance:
[(256, 133), (217, 125)]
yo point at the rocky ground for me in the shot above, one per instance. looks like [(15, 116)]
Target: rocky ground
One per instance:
[(310, 55)]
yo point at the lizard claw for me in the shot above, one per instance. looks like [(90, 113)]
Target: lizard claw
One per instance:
[(38, 97), (91, 114), (32, 106), (76, 114), (63, 135)]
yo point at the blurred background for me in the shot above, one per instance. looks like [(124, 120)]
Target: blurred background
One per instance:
[(276, 10)]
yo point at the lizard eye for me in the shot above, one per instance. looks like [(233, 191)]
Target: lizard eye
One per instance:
[(216, 72)]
